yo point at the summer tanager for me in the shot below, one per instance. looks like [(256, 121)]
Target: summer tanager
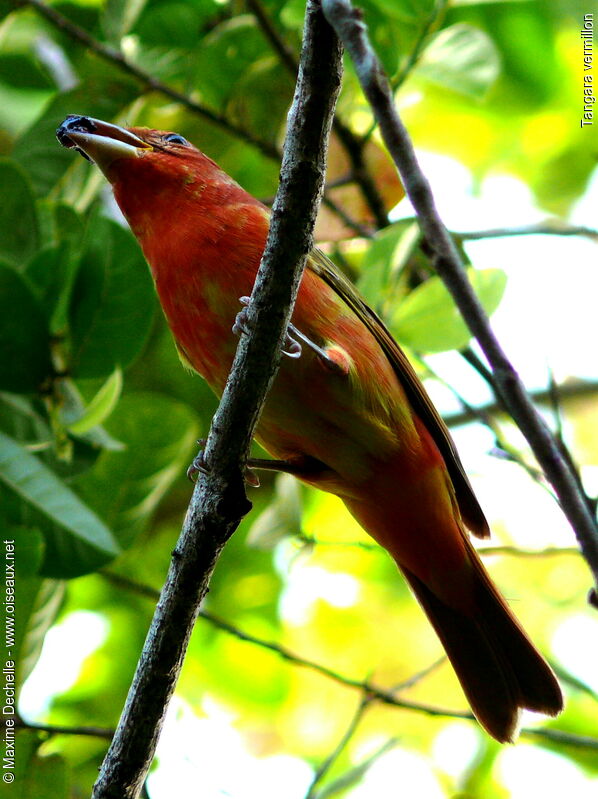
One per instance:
[(348, 416)]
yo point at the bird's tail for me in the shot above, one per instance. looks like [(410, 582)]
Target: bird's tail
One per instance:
[(498, 667)]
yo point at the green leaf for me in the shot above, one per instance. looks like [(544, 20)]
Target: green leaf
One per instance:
[(6, 6), (53, 269), (428, 320), (72, 407), (235, 45), (125, 487), (260, 97), (281, 518), (48, 275), (38, 775), (24, 335), (394, 27), (292, 14), (174, 23), (101, 406), (19, 230), (387, 254), (35, 484), (113, 303), (22, 419), (461, 58), (23, 72), (26, 420), (119, 16), (456, 3), (405, 10), (29, 544)]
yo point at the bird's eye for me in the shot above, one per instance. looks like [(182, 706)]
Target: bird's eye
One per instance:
[(174, 138)]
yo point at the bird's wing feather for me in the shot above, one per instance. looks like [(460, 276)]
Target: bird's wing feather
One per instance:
[(469, 507)]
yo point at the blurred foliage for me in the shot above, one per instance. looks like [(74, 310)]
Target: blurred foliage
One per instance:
[(98, 421)]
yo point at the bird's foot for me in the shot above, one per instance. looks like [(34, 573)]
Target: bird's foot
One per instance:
[(333, 358), (290, 348), (199, 466)]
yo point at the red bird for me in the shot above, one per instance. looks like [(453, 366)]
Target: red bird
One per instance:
[(348, 416)]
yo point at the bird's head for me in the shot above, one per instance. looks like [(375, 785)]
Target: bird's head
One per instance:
[(151, 171), (141, 160), (118, 151), (158, 177)]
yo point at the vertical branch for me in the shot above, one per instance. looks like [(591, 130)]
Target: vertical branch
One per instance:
[(219, 500), (348, 23)]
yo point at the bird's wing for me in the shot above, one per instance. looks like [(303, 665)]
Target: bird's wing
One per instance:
[(469, 507)]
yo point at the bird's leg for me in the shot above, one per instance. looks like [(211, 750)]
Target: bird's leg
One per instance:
[(333, 359), (272, 465), (199, 466)]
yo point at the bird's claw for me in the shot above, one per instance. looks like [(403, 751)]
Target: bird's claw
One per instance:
[(333, 358), (251, 478), (291, 348), (199, 466), (241, 325)]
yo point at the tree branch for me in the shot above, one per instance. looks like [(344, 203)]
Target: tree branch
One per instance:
[(219, 501), (348, 23)]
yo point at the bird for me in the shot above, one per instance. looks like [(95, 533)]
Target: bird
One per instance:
[(346, 413)]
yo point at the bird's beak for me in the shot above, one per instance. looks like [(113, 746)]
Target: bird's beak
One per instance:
[(100, 141)]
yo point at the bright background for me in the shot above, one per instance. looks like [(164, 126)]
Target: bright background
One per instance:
[(493, 105)]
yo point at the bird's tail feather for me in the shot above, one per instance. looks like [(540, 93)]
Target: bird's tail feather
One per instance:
[(498, 667)]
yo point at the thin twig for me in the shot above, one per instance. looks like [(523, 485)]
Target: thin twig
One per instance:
[(499, 549), (352, 144), (447, 262), (59, 729), (355, 774), (552, 228), (520, 552), (413, 57), (279, 45), (329, 761), (219, 501), (502, 449), (568, 390)]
